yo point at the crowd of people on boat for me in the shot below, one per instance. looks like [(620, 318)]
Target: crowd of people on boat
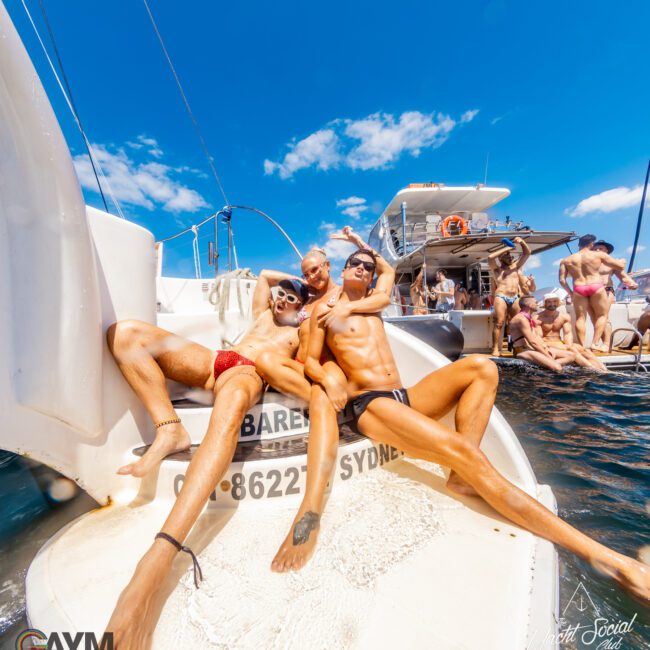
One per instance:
[(546, 338), (325, 344)]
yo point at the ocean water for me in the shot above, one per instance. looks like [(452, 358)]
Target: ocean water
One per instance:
[(586, 435)]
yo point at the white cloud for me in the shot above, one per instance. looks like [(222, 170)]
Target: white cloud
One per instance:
[(146, 184), (354, 206), (608, 201), (151, 144), (320, 149), (354, 211), (533, 263), (351, 200), (468, 116), (374, 142), (639, 248), (558, 262), (382, 140), (496, 120)]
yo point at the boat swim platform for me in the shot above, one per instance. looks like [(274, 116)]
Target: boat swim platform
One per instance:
[(400, 561), (618, 359)]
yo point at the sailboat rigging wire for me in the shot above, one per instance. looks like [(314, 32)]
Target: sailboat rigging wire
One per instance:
[(74, 115), (275, 223), (238, 207), (190, 229), (638, 222), (72, 103), (187, 104)]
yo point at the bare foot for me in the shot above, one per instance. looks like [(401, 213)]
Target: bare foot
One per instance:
[(136, 613), (632, 576), (169, 439), (598, 348), (456, 484), (299, 544), (496, 353)]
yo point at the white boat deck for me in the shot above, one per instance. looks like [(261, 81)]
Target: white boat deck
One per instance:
[(400, 563)]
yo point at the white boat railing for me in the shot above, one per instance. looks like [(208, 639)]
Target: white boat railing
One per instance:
[(637, 355)]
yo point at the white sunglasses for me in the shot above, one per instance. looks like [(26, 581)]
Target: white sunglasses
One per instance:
[(289, 297)]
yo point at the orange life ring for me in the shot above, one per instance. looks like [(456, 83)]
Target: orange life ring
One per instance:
[(454, 218)]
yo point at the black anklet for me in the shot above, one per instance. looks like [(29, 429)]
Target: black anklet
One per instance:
[(185, 549)]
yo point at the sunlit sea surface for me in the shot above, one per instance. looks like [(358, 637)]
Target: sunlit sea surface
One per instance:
[(586, 435)]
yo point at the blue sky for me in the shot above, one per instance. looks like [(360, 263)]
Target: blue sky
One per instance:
[(305, 106)]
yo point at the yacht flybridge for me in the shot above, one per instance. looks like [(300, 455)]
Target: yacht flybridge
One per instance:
[(400, 562)]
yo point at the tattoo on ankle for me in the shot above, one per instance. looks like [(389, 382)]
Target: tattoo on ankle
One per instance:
[(303, 528)]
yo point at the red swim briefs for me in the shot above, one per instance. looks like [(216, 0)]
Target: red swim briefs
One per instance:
[(227, 359)]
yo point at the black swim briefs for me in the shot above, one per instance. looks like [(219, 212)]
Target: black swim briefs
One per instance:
[(360, 402)]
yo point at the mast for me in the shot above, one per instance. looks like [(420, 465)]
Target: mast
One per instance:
[(638, 222)]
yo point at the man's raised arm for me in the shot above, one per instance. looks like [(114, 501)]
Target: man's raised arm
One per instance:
[(492, 257), (265, 282), (617, 265), (525, 252), (313, 369)]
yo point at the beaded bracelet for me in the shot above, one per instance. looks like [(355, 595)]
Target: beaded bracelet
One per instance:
[(164, 422)]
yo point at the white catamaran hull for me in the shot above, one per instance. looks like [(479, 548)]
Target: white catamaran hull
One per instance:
[(399, 560)]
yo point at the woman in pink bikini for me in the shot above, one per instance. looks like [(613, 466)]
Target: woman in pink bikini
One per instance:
[(588, 293)]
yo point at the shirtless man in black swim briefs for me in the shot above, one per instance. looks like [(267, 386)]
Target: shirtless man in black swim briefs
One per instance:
[(146, 356), (506, 274), (408, 420), (469, 386)]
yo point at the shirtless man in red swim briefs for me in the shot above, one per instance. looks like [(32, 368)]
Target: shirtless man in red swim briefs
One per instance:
[(147, 355), (588, 294)]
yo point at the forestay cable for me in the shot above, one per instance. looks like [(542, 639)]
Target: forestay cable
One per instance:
[(195, 123), (74, 115)]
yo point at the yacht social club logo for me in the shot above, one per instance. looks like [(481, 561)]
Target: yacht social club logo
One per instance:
[(594, 631), (33, 639)]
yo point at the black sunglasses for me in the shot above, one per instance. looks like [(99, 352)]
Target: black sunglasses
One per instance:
[(368, 266)]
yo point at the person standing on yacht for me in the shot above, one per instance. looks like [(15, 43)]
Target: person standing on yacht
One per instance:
[(461, 297), (443, 291), (606, 275), (147, 355), (408, 419), (506, 277), (588, 294), (418, 294)]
